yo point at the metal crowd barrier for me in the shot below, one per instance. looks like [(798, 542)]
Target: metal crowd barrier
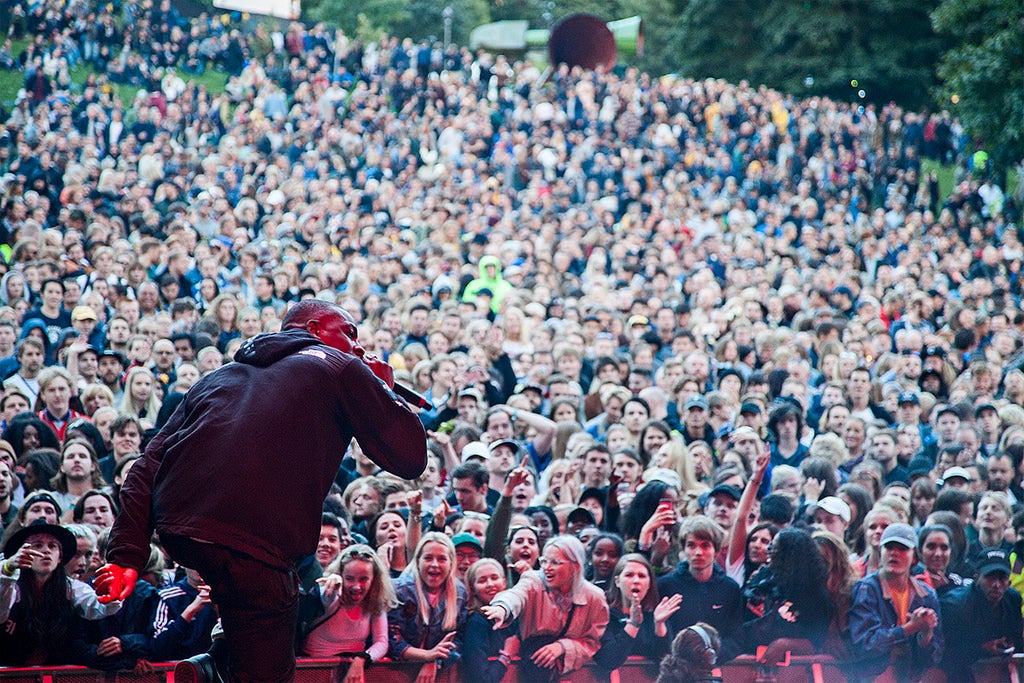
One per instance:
[(744, 669)]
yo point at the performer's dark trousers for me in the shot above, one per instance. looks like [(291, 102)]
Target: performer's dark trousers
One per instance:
[(257, 603)]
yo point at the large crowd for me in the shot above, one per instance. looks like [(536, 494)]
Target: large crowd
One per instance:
[(711, 369)]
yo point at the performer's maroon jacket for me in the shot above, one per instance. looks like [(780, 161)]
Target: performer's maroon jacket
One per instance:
[(249, 455)]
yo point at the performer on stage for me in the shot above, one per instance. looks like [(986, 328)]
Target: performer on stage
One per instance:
[(235, 481)]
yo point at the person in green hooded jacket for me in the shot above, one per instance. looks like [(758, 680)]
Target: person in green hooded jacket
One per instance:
[(491, 280)]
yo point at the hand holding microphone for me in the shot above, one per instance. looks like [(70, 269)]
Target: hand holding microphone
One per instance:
[(387, 375)]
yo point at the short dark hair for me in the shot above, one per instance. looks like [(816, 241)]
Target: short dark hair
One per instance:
[(304, 311), (190, 338), (328, 519), (777, 509), (951, 500), (78, 511), (472, 470), (53, 280), (122, 421)]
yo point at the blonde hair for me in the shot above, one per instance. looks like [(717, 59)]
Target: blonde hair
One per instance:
[(561, 466), (152, 405), (471, 577), (93, 390), (899, 507), (681, 462), (381, 596), (831, 447), (450, 589)]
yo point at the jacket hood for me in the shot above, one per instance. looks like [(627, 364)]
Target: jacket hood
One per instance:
[(490, 261), (35, 324), (266, 349)]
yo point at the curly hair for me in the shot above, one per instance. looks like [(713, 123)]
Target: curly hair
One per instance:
[(14, 434), (640, 510), (800, 571)]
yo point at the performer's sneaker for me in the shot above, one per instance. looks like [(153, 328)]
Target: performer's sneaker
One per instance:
[(199, 669)]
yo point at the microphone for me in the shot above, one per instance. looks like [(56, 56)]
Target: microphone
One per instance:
[(411, 397)]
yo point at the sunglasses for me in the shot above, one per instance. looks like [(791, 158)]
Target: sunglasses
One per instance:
[(469, 514), (357, 552)]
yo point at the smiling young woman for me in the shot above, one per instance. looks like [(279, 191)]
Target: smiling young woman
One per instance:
[(431, 608), (561, 615), (355, 594)]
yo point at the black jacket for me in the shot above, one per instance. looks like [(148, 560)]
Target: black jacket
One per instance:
[(133, 624), (480, 644), (969, 620), (249, 455), (617, 645), (718, 602)]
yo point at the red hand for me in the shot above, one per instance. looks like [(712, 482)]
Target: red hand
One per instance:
[(115, 583), (384, 371)]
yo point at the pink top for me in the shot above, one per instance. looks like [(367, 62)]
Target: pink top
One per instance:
[(343, 632)]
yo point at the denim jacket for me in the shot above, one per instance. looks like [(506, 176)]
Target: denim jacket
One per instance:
[(406, 629), (880, 641)]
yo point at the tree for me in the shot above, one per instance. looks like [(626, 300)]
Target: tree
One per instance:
[(425, 19), (887, 46), (984, 72), (416, 19), (369, 16)]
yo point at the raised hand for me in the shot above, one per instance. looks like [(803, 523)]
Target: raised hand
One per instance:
[(667, 607), (329, 585), (516, 477), (444, 648), (441, 514)]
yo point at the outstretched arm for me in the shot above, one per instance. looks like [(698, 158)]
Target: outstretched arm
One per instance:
[(129, 537), (386, 428), (738, 539)]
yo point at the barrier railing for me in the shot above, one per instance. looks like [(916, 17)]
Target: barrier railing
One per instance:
[(635, 670), (744, 669)]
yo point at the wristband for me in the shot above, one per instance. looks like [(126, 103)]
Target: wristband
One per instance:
[(6, 568), (365, 656)]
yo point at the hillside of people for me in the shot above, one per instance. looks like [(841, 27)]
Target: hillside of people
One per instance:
[(709, 369)]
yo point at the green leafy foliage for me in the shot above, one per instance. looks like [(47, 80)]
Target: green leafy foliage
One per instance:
[(887, 46), (416, 19), (984, 72)]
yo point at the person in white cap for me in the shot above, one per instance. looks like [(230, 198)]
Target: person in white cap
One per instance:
[(956, 478), (832, 514)]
